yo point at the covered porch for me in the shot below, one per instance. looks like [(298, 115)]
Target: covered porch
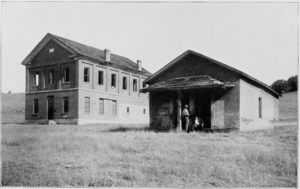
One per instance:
[(200, 93)]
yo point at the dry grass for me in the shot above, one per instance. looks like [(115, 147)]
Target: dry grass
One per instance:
[(106, 155)]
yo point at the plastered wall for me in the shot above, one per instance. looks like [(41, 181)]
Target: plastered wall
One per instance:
[(249, 108)]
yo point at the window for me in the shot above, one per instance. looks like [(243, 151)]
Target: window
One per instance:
[(66, 75), (36, 78), (51, 50), (144, 111), (87, 104), (127, 109), (125, 83), (113, 80), (35, 106), (101, 106), (86, 75), (260, 107), (114, 107), (51, 77), (65, 104), (134, 85), (144, 85), (100, 77)]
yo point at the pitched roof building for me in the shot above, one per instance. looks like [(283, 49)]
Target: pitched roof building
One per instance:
[(222, 96), (68, 82)]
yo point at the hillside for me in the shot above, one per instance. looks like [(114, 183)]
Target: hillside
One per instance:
[(288, 107), (13, 107)]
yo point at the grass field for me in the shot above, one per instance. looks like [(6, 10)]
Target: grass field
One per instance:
[(134, 156), (55, 155)]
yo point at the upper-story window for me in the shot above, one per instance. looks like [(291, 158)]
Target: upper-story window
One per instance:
[(36, 78), (113, 80), (51, 50), (86, 75), (135, 85), (51, 76), (124, 83), (100, 77), (67, 75)]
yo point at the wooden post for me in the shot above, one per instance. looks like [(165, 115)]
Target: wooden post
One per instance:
[(179, 125)]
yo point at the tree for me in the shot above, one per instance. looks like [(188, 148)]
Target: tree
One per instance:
[(280, 86), (293, 83)]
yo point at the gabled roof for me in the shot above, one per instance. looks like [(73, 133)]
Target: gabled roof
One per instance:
[(78, 49), (188, 52), (191, 82)]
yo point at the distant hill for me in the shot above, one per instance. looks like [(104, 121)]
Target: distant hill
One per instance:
[(13, 107), (288, 107)]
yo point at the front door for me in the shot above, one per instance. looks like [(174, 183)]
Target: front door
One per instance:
[(50, 107)]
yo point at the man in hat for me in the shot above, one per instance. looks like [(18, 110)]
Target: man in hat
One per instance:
[(186, 115)]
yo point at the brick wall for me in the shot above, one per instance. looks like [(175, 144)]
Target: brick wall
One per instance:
[(136, 108), (58, 104)]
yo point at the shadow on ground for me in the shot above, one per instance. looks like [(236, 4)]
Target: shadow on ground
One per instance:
[(126, 129)]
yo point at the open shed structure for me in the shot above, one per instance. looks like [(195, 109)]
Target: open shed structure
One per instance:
[(223, 97)]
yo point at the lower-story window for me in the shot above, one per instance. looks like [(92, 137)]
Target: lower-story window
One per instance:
[(101, 106), (87, 104), (65, 104), (35, 106), (114, 107)]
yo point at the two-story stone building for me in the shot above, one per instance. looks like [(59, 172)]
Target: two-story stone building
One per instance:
[(69, 82)]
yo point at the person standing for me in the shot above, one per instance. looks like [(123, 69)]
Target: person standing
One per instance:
[(186, 115)]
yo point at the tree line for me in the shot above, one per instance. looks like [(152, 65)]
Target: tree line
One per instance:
[(282, 86)]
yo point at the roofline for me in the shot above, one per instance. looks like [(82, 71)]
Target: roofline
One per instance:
[(41, 45), (82, 57), (180, 57)]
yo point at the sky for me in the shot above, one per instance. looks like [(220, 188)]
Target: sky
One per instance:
[(260, 39)]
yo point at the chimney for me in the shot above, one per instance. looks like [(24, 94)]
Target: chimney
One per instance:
[(139, 63), (107, 55)]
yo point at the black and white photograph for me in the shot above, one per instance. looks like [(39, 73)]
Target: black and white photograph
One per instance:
[(149, 94)]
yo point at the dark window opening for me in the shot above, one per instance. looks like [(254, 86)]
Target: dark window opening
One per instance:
[(35, 106), (67, 75), (144, 111), (65, 104), (101, 106), (113, 80), (127, 109), (51, 77), (260, 107), (100, 77), (86, 75), (36, 78), (134, 85), (144, 85), (125, 83), (87, 104)]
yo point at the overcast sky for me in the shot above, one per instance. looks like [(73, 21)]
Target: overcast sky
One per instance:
[(260, 39)]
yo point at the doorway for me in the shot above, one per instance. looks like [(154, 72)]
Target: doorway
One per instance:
[(50, 101)]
